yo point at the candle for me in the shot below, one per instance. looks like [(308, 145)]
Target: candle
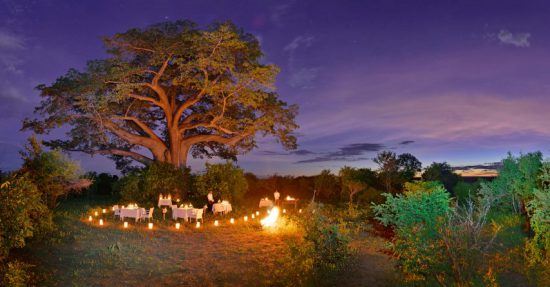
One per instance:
[(268, 211), (125, 224), (284, 210), (216, 223), (252, 216), (246, 218), (257, 213), (101, 222), (90, 218), (103, 210), (300, 211), (198, 225), (178, 225), (95, 213), (150, 225), (232, 221)]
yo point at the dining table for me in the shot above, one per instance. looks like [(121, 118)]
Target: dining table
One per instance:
[(131, 212)]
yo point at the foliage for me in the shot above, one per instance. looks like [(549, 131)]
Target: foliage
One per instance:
[(226, 181), (443, 173), (145, 186), (170, 89), (326, 185), (52, 172), (15, 274), (465, 190), (395, 170), (323, 252), (355, 180), (23, 214), (538, 248), (103, 183)]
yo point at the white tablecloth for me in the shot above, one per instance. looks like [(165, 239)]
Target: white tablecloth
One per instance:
[(130, 212), (221, 208), (181, 213), (266, 202), (165, 202)]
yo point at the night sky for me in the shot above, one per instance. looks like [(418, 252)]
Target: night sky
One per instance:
[(446, 81)]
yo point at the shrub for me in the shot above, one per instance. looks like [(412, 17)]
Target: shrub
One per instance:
[(144, 186), (322, 253), (15, 274), (226, 181), (22, 214), (465, 190)]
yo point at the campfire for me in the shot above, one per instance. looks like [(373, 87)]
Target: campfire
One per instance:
[(271, 219)]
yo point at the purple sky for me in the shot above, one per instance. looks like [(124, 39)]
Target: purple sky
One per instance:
[(445, 81)]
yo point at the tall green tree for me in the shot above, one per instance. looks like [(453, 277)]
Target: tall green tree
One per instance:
[(226, 181), (395, 170), (443, 173), (326, 185), (167, 91)]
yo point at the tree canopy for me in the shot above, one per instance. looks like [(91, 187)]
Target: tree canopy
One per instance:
[(170, 89)]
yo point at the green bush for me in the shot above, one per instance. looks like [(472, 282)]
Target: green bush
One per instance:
[(323, 252), (144, 186), (15, 274), (226, 181), (23, 214), (465, 190)]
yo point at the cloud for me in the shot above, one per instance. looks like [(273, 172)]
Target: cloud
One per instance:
[(10, 45), (303, 78), (490, 165), (278, 12), (350, 152), (295, 152), (406, 142), (300, 41), (520, 40)]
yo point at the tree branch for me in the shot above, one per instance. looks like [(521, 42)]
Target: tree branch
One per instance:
[(142, 125)]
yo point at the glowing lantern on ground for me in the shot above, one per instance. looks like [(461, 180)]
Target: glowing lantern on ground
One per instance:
[(95, 213), (101, 222), (271, 219), (90, 218), (257, 213), (178, 225), (216, 223), (198, 225), (268, 211), (252, 216), (246, 218), (104, 210), (125, 224), (300, 211), (232, 221), (150, 225), (284, 210)]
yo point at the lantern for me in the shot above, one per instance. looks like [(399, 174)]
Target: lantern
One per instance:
[(125, 224), (198, 225), (104, 210), (150, 225), (95, 213), (232, 221), (257, 213), (101, 222), (216, 223), (246, 218), (284, 210), (300, 211), (252, 216), (268, 211), (90, 218), (178, 225)]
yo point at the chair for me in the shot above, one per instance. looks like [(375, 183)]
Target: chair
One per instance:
[(147, 213), (116, 210), (196, 214)]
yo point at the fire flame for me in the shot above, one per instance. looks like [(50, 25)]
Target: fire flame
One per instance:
[(271, 219)]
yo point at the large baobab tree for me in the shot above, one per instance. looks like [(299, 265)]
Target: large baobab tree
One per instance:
[(165, 92)]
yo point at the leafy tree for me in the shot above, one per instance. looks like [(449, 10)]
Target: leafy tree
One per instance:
[(464, 190), (103, 183), (395, 170), (226, 181), (354, 180), (169, 89), (443, 173), (145, 186), (52, 172), (326, 185)]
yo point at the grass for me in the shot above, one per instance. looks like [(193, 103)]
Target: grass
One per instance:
[(85, 254)]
